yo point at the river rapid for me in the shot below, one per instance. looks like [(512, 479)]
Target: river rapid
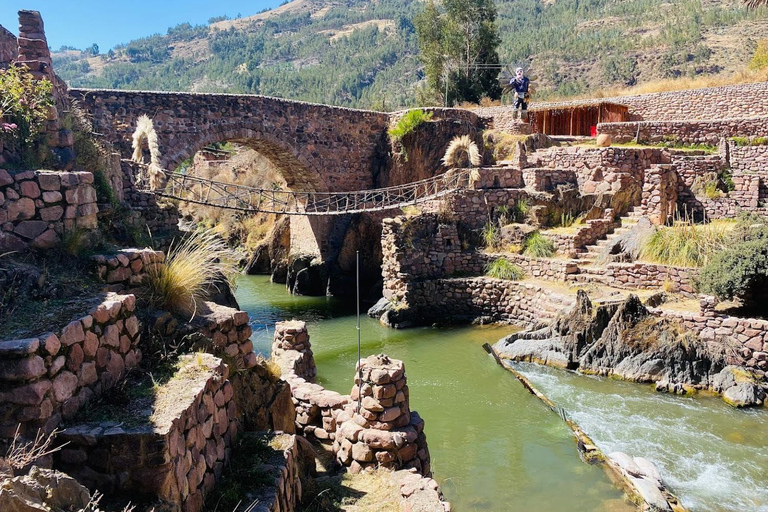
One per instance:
[(495, 447)]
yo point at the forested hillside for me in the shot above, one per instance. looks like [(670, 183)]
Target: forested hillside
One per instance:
[(365, 53)]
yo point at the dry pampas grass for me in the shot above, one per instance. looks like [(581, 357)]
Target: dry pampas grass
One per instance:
[(145, 131), (462, 152)]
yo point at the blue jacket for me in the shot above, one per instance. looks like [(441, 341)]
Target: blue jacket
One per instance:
[(520, 86)]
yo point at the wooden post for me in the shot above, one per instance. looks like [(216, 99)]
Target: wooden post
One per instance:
[(571, 134)]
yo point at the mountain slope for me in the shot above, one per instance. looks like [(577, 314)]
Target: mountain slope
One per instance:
[(364, 53)]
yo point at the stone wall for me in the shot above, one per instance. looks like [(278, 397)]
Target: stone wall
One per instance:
[(126, 268), (381, 431), (645, 276), (158, 216), (421, 247), (33, 53), (547, 178), (50, 377), (659, 199), (464, 300), (544, 268), (316, 407), (500, 177), (38, 207), (710, 103), (749, 159), (684, 132), (286, 494), (747, 337), (230, 332), (9, 47), (179, 454), (713, 103)]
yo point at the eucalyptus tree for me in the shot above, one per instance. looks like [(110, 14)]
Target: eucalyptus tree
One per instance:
[(458, 41)]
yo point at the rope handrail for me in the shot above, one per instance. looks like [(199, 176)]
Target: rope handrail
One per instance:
[(194, 189)]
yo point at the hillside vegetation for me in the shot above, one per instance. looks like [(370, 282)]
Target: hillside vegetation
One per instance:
[(365, 54)]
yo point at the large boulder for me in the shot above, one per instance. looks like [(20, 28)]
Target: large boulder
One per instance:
[(42, 490)]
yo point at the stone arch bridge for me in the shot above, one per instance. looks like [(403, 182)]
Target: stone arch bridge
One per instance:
[(317, 148)]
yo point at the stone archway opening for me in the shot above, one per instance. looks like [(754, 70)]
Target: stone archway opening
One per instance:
[(275, 243)]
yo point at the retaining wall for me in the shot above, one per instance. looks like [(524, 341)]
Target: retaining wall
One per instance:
[(178, 456), (748, 337), (50, 377), (38, 207), (126, 268), (684, 132)]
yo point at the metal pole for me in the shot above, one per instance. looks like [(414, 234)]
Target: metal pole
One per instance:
[(359, 368)]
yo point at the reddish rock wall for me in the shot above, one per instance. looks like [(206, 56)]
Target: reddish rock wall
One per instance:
[(50, 377), (38, 207)]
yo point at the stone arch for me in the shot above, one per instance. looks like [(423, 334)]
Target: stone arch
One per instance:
[(298, 172)]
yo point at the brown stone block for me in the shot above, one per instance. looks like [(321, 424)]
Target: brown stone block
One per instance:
[(64, 386), (28, 368), (31, 394), (72, 333), (75, 358)]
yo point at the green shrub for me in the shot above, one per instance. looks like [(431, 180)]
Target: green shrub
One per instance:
[(502, 268), (685, 244), (538, 246), (711, 190), (726, 177), (76, 242), (740, 271), (520, 210), (24, 107), (760, 141), (408, 123)]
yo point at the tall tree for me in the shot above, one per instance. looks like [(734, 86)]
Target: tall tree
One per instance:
[(459, 49)]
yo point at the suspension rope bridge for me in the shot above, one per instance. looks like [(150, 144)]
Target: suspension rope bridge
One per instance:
[(194, 189)]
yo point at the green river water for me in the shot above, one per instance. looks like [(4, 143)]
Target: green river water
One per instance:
[(495, 447)]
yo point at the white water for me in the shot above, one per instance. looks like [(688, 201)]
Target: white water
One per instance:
[(714, 457)]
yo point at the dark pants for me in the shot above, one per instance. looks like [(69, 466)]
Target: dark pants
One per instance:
[(520, 102)]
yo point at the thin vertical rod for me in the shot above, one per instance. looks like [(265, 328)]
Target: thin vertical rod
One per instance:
[(359, 368)]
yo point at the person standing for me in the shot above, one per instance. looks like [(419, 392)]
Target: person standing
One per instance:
[(520, 84)]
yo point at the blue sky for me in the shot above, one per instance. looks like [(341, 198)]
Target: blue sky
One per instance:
[(81, 23)]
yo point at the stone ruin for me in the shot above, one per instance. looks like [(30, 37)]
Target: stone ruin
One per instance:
[(379, 429)]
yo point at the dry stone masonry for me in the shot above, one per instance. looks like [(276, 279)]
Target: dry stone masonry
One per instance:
[(316, 407), (684, 132), (38, 207), (378, 429), (181, 452), (126, 269), (50, 377)]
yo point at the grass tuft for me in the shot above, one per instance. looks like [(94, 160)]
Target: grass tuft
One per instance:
[(462, 152), (686, 244), (504, 269), (538, 246), (408, 123), (191, 268)]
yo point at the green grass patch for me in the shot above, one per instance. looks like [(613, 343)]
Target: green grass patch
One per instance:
[(538, 246), (686, 244), (502, 268), (408, 123)]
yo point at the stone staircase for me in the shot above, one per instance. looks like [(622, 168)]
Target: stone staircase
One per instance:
[(593, 252)]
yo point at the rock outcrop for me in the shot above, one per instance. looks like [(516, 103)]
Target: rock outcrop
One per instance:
[(42, 490), (626, 340)]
